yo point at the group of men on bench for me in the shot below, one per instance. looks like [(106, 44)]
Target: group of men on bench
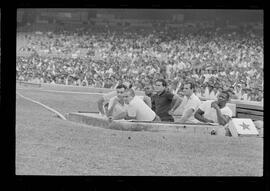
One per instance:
[(160, 104)]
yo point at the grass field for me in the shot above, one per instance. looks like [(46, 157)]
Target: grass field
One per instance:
[(47, 145)]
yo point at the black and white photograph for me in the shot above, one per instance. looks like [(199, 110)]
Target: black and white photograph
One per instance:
[(139, 92)]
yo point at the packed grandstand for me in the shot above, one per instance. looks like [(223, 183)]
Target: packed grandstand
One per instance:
[(215, 56)]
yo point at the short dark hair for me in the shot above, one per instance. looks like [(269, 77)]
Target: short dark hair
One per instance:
[(164, 83), (227, 93), (192, 84), (121, 86)]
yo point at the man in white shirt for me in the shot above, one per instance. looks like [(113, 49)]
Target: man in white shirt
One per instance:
[(189, 104), (104, 100), (212, 111), (111, 99), (116, 103), (136, 108)]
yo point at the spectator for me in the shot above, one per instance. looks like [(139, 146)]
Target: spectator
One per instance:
[(116, 103), (164, 102), (212, 111), (136, 108), (223, 56), (189, 104)]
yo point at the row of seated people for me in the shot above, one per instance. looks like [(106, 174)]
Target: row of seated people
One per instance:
[(160, 104)]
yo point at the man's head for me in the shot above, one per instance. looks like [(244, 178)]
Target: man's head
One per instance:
[(120, 89), (189, 88), (148, 89), (128, 95), (223, 98), (160, 85)]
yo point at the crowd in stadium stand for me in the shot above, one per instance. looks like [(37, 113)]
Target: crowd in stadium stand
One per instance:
[(101, 57)]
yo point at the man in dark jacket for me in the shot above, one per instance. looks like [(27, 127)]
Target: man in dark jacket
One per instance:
[(164, 102)]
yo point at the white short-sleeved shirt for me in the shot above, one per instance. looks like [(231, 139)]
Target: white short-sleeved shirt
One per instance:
[(137, 107), (119, 108), (193, 102), (211, 113)]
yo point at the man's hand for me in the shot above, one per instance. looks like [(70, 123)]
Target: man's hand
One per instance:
[(214, 105)]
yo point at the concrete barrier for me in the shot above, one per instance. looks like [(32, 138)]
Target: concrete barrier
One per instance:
[(27, 84), (95, 119)]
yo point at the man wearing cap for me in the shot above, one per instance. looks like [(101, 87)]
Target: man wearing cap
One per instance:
[(212, 111)]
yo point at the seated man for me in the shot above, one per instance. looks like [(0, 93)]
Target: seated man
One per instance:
[(116, 103), (164, 103), (103, 102), (212, 111), (189, 104), (136, 108)]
